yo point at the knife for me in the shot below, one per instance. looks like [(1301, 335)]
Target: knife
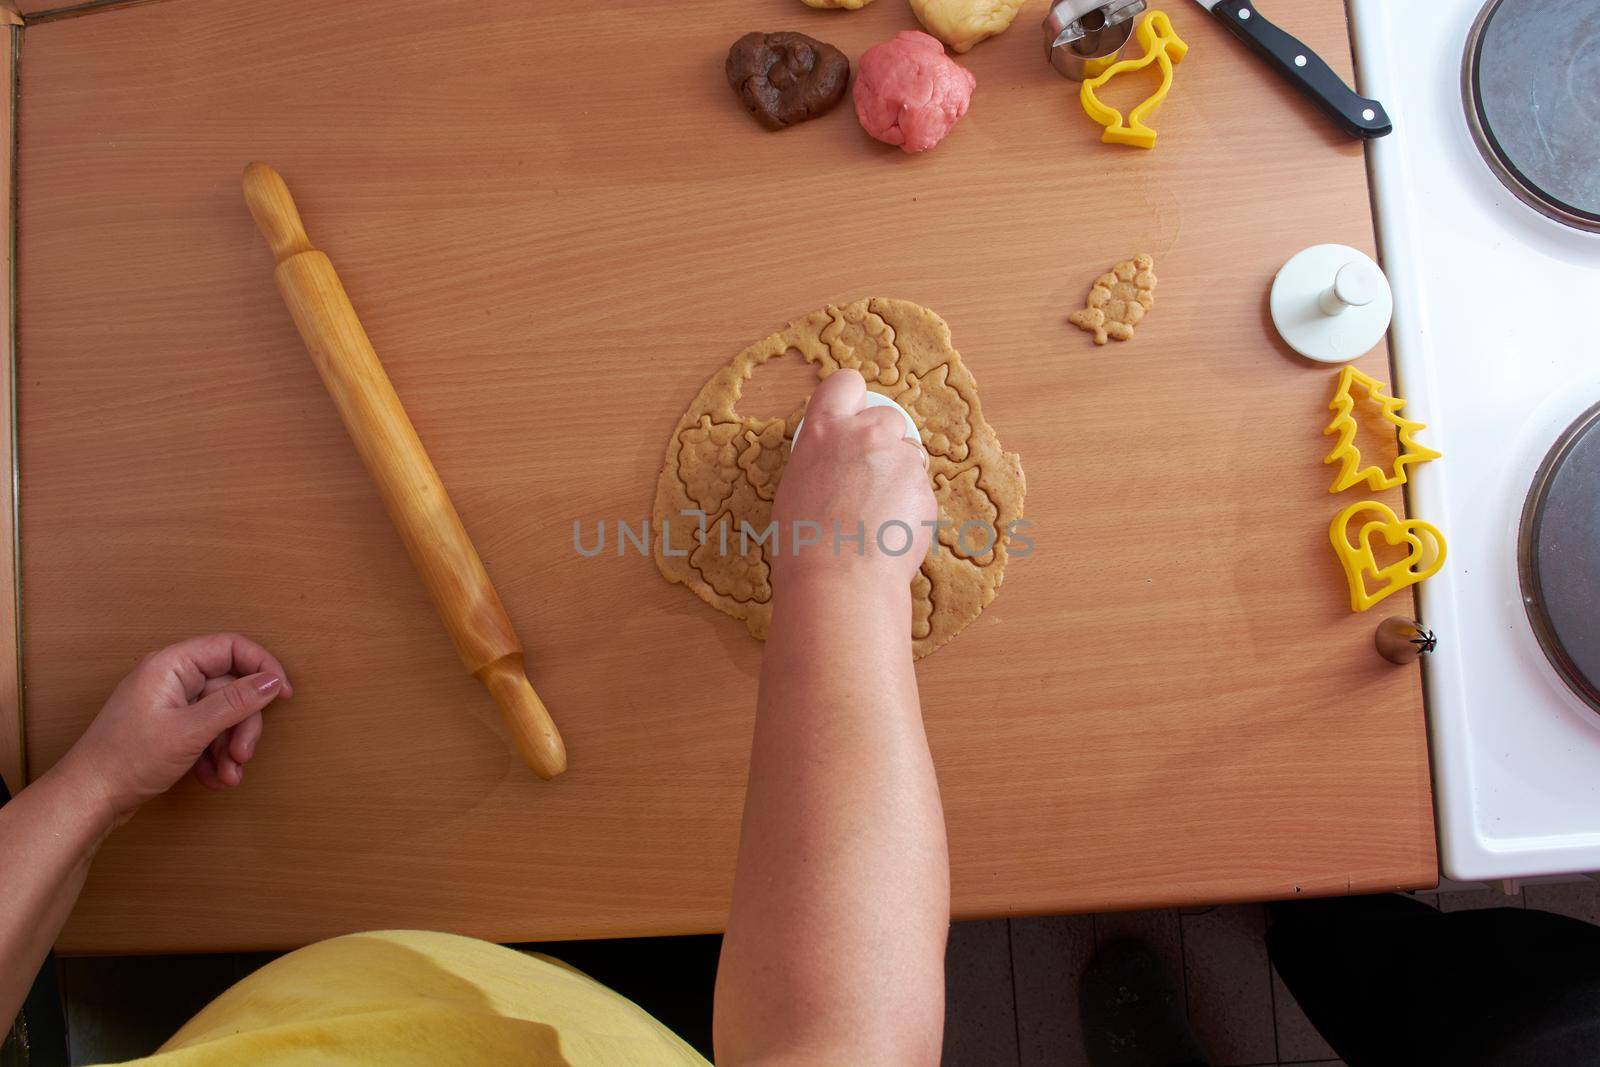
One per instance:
[(1304, 69)]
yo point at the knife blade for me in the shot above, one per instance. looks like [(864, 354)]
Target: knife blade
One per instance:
[(1303, 68)]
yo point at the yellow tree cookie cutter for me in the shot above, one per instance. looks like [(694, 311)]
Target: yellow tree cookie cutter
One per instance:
[(1162, 46), (1348, 456), (1424, 556)]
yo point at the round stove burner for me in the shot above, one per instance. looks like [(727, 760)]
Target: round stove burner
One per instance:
[(1558, 550), (1531, 78)]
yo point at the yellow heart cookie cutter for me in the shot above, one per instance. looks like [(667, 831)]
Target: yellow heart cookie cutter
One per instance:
[(1425, 555), (1162, 46), (1348, 456)]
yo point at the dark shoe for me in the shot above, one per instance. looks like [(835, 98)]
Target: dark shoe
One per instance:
[(1132, 1015)]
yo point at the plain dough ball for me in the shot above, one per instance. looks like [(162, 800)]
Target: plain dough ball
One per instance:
[(963, 23), (848, 5), (909, 93)]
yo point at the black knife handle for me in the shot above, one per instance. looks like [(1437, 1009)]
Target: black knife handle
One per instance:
[(1306, 71)]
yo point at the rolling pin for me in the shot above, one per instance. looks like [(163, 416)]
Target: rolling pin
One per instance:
[(394, 456)]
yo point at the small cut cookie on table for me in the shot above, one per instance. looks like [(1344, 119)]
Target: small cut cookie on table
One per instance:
[(1118, 300)]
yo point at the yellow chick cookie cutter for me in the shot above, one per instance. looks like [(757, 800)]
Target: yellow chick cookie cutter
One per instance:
[(1162, 46), (1348, 456), (1425, 550)]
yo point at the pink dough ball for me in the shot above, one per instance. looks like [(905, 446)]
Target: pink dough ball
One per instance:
[(909, 93)]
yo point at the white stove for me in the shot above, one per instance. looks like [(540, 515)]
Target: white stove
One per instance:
[(1494, 259)]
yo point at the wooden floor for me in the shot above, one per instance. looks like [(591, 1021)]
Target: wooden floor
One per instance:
[(1012, 983)]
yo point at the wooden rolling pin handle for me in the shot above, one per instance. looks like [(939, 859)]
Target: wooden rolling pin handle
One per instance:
[(526, 718), (410, 487), (273, 208)]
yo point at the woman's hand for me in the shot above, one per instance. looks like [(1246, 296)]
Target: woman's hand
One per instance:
[(855, 472), (193, 706)]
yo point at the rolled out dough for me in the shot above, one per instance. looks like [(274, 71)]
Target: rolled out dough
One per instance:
[(728, 465)]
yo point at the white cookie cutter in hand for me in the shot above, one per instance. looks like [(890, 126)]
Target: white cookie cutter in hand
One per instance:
[(874, 400)]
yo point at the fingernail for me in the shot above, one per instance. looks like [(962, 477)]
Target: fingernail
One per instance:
[(250, 750), (268, 684)]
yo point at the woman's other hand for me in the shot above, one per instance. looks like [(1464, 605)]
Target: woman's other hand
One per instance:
[(193, 706)]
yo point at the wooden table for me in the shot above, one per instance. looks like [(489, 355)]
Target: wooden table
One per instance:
[(556, 223)]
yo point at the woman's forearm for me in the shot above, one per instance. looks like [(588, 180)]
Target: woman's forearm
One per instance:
[(835, 943), (160, 723), (48, 834)]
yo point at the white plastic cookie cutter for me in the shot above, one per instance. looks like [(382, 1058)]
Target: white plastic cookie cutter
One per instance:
[(1331, 303), (874, 400)]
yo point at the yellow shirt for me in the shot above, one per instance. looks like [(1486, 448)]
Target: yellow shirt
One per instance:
[(410, 997)]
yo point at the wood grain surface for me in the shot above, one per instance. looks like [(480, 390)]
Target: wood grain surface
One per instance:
[(555, 224)]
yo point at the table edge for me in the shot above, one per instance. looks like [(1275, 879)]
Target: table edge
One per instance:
[(13, 747)]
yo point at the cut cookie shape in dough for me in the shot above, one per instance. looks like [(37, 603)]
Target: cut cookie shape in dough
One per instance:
[(963, 23), (909, 93), (785, 78), (1118, 300), (728, 466)]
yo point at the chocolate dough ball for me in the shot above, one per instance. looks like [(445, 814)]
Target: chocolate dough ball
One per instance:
[(785, 78)]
